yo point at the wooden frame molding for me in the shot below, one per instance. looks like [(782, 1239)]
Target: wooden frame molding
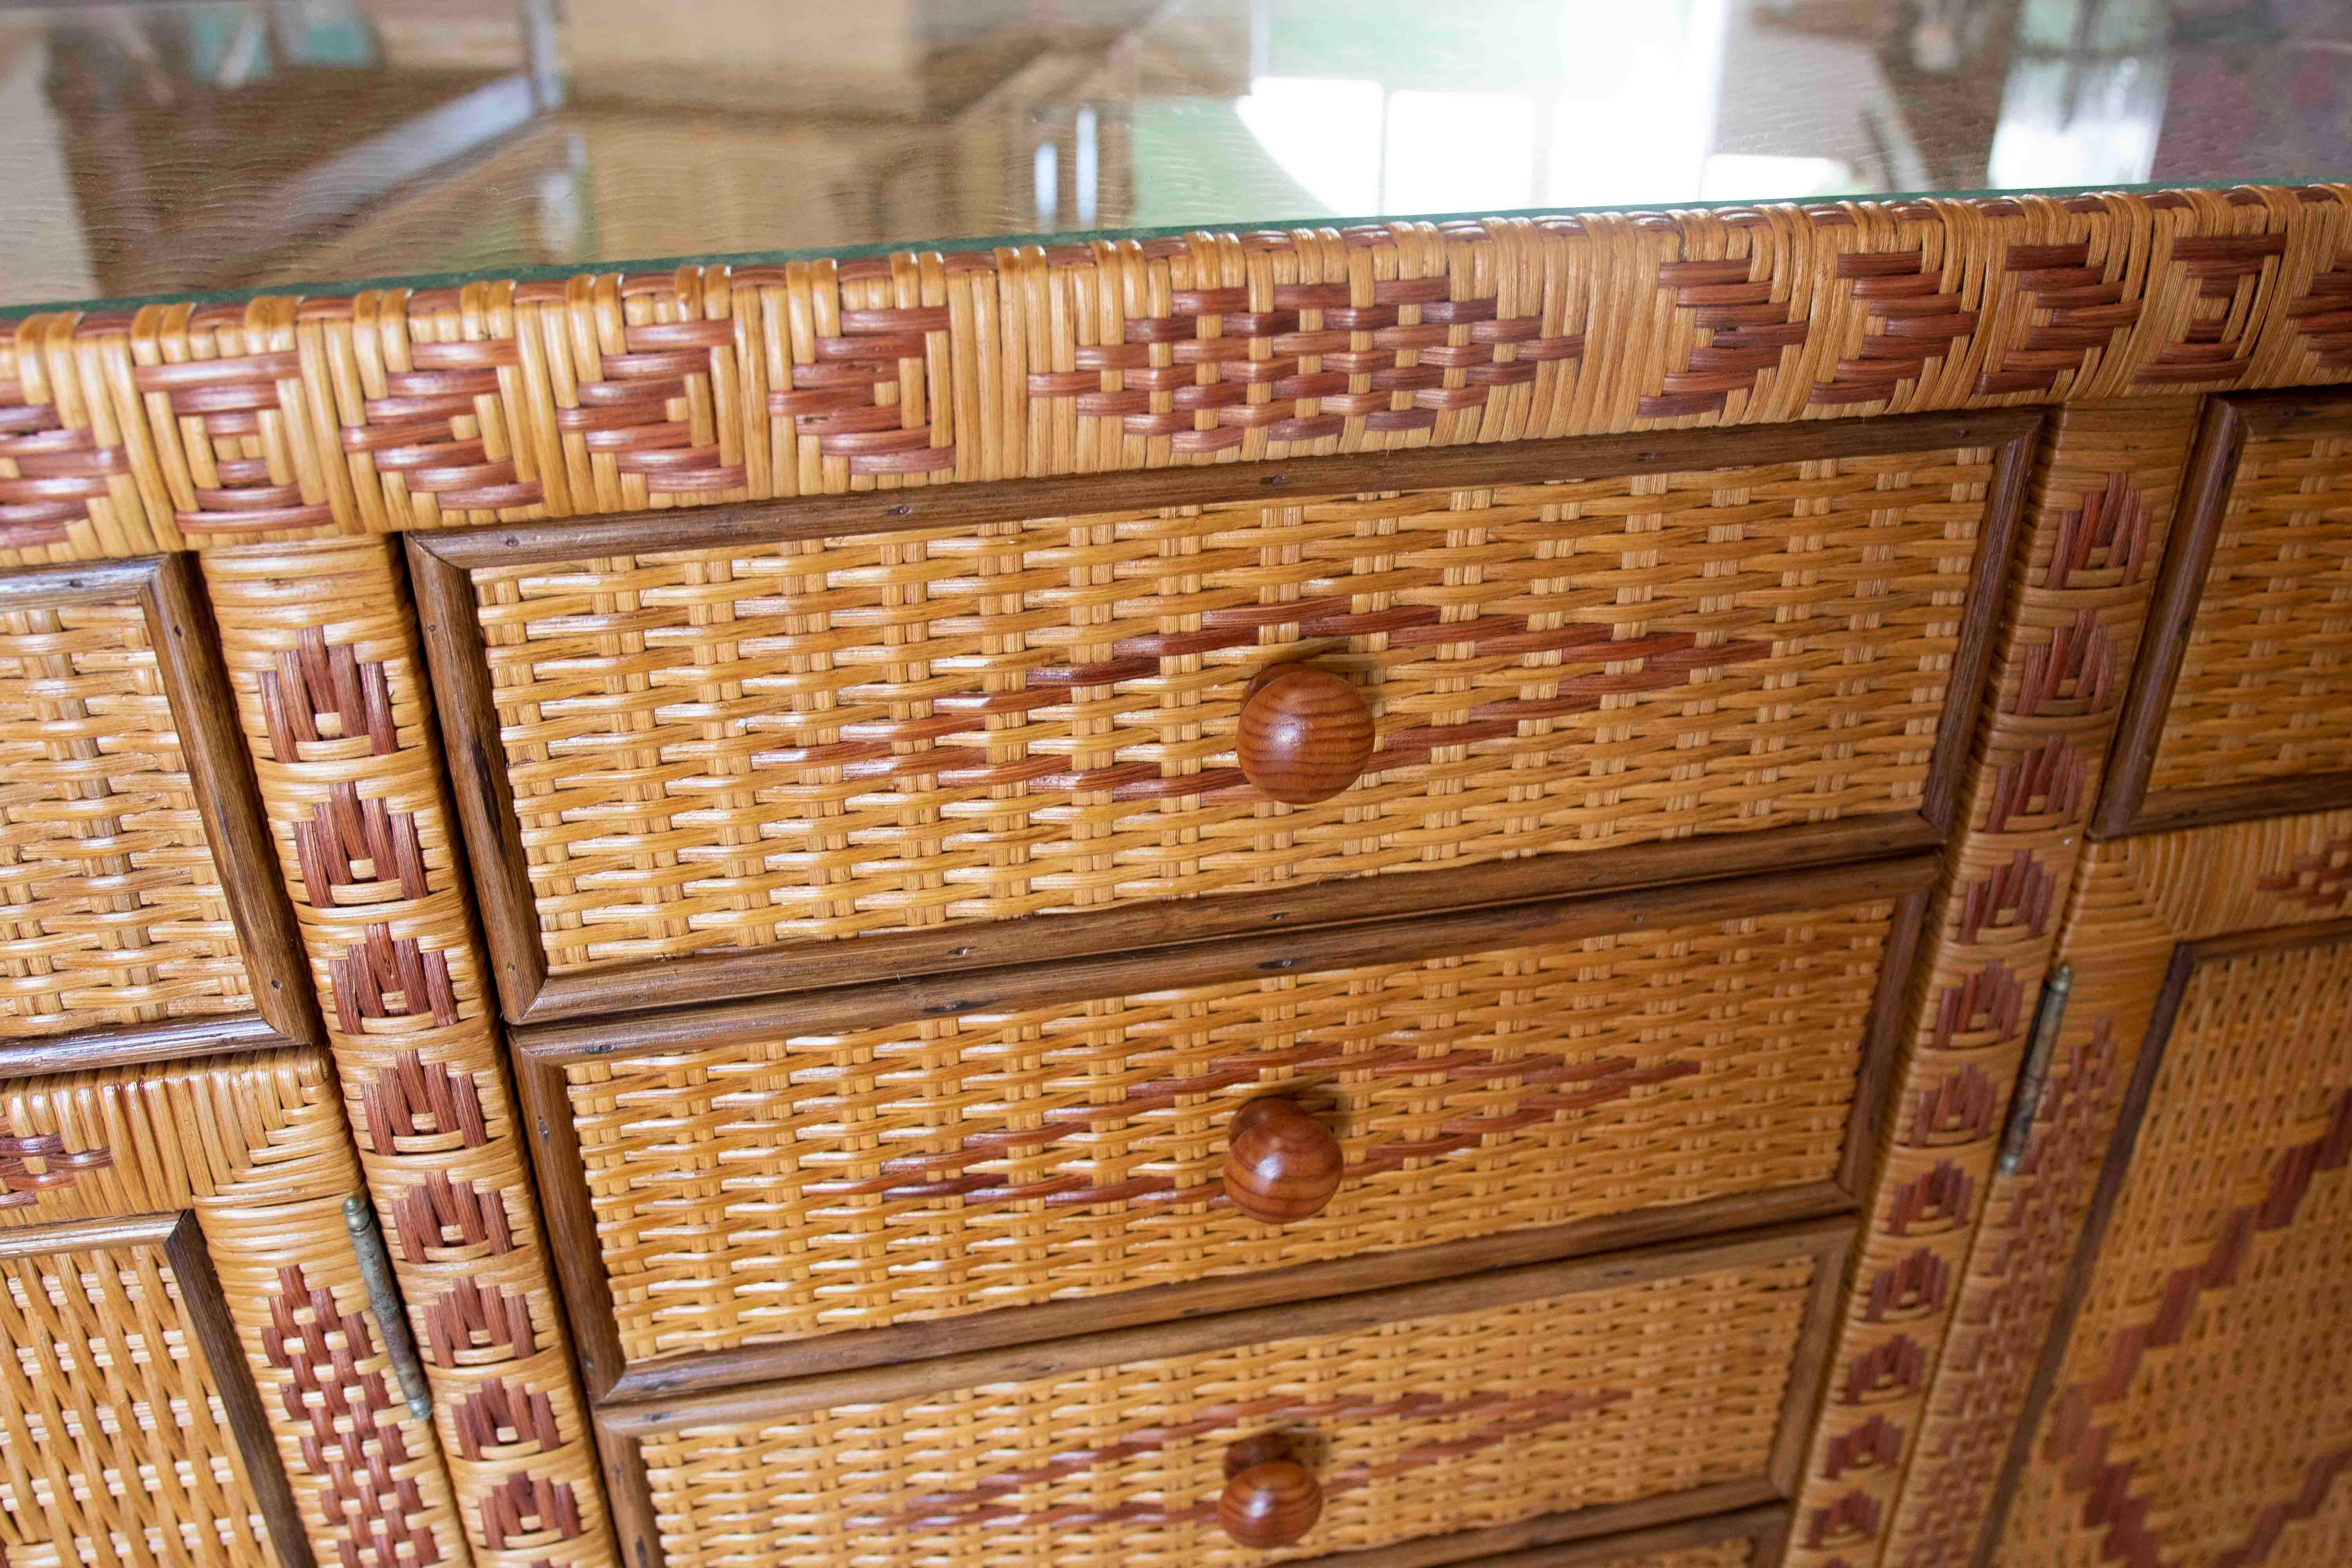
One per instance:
[(2127, 805), (1567, 1539), (541, 1055), (441, 563), (621, 1428), (186, 650)]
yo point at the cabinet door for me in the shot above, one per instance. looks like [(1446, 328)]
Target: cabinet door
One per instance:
[(195, 1373), (2188, 1405)]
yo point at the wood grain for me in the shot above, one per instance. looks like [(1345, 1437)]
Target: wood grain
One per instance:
[(1234, 958), (629, 988), (1826, 1240), (1305, 734)]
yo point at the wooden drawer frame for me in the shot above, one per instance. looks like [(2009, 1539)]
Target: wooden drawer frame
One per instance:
[(440, 564), (620, 1428)]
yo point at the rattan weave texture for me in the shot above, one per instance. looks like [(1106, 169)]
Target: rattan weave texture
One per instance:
[(111, 1447), (2261, 690), (1415, 1428), (111, 908), (320, 645), (810, 741), (126, 432), (806, 1184)]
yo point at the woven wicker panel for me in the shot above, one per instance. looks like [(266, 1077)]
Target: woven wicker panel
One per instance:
[(114, 1441), (112, 910), (730, 748), (798, 1186), (2261, 690), (2199, 1413), (1413, 1427), (258, 1150)]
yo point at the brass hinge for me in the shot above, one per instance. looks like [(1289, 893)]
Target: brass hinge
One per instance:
[(383, 1296), (2026, 1101)]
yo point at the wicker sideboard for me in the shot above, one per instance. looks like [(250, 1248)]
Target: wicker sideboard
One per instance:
[(1385, 895)]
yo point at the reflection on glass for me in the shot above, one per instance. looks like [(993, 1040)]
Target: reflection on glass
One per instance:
[(2085, 96), (217, 143)]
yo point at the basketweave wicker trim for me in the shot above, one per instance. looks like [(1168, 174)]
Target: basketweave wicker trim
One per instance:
[(471, 727), (291, 416), (2063, 1419), (169, 596), (320, 647), (2127, 803)]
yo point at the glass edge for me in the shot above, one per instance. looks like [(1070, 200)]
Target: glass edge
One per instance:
[(1075, 236)]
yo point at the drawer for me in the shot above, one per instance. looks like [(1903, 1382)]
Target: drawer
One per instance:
[(1533, 671), (737, 1190), (2237, 705), (1571, 1390), (197, 1373), (129, 824)]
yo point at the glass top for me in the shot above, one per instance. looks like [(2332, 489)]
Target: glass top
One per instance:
[(155, 148)]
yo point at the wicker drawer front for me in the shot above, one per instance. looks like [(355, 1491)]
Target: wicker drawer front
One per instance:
[(123, 796), (695, 751), (2238, 707), (1423, 1412), (1482, 1073)]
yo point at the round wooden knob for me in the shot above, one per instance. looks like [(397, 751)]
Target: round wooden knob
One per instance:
[(1305, 734), (1270, 1499), (1281, 1164)]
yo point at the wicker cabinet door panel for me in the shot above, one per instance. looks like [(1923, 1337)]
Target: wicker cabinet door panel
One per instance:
[(121, 1404), (889, 1163), (686, 753), (2237, 709), (1465, 1406), (137, 895), (193, 1371), (2194, 1411)]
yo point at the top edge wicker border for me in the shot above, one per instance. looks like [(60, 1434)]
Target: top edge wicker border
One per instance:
[(289, 417)]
